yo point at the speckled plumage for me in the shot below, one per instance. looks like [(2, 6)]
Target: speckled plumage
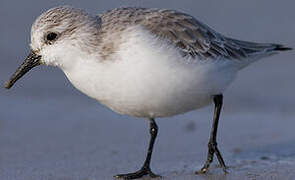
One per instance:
[(191, 36)]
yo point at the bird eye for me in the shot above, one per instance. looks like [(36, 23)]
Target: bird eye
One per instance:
[(51, 36)]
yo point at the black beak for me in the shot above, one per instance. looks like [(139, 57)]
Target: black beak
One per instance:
[(31, 61)]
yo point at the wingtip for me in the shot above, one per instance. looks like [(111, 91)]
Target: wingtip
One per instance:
[(280, 47)]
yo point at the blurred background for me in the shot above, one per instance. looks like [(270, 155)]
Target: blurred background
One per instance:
[(49, 130)]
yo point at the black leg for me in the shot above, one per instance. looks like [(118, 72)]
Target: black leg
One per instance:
[(212, 145), (145, 169)]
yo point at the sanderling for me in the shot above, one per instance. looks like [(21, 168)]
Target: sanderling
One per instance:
[(141, 62)]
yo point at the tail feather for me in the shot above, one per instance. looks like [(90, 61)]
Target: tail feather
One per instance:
[(252, 48), (279, 47), (255, 51)]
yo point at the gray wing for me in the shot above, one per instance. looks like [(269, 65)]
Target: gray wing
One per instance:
[(192, 37)]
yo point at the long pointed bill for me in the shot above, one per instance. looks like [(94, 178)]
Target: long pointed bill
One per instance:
[(31, 61)]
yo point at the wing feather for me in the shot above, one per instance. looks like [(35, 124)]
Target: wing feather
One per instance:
[(190, 36)]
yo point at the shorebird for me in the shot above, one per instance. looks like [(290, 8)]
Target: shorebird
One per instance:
[(142, 62)]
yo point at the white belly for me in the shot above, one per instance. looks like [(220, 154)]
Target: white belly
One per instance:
[(149, 78)]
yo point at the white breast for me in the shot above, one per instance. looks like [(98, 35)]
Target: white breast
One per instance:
[(149, 78)]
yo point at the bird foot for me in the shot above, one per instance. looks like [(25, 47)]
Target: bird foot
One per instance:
[(138, 174), (212, 149)]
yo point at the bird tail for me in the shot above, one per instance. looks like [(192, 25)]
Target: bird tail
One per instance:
[(255, 51), (252, 48), (279, 47)]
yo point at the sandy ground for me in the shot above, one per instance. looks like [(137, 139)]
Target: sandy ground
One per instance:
[(50, 131), (53, 139)]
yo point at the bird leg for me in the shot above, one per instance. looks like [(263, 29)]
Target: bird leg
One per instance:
[(212, 145), (145, 169)]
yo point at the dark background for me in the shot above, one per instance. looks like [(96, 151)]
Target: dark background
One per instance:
[(49, 130)]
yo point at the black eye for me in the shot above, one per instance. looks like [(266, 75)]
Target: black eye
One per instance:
[(51, 36)]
